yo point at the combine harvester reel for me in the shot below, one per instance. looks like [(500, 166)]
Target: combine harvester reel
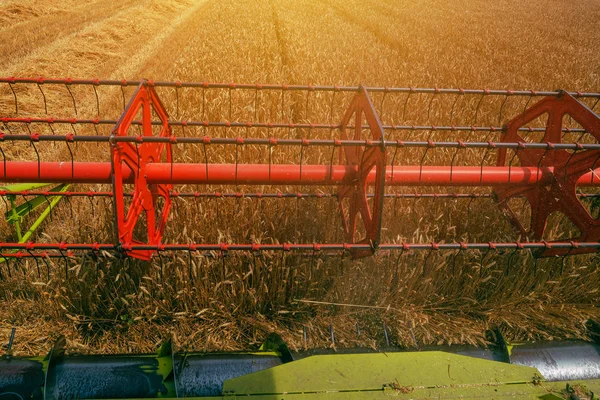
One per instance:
[(362, 170)]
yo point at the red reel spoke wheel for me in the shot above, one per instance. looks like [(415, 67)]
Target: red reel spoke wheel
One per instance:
[(146, 197), (360, 160), (560, 195)]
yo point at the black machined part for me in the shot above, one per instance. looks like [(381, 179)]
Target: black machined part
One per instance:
[(103, 377), (179, 374), (204, 374), (593, 328), (21, 379)]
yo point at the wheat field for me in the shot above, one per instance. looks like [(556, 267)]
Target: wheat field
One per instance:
[(422, 298)]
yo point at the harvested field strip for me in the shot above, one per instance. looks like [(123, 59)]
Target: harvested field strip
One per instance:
[(41, 31), (14, 12)]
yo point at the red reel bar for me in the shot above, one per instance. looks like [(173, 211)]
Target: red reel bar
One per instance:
[(360, 175), (263, 174)]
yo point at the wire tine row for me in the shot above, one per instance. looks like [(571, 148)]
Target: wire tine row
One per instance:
[(259, 86), (239, 141), (302, 247), (275, 125)]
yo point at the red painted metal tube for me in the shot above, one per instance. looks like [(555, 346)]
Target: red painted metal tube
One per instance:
[(278, 174)]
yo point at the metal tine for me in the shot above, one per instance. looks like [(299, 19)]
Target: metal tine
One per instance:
[(458, 96), (50, 125), (393, 163), (11, 340), (516, 151), (502, 107), (486, 153), (461, 146), (37, 264), (3, 158), (123, 97), (483, 256), (304, 336), (7, 127), (453, 263), (436, 91), (18, 262), (72, 159), (424, 266), (68, 198), (485, 93), (508, 265), (47, 268), (595, 104), (223, 255), (525, 113), (15, 97), (29, 206), (422, 162), (385, 332), (332, 335), (92, 205), (97, 100), (412, 333), (333, 148), (190, 266), (5, 202), (43, 95), (66, 263), (67, 84), (469, 204), (38, 158)]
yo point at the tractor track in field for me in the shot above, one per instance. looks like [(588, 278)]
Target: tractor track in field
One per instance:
[(160, 43), (379, 34), (281, 45)]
